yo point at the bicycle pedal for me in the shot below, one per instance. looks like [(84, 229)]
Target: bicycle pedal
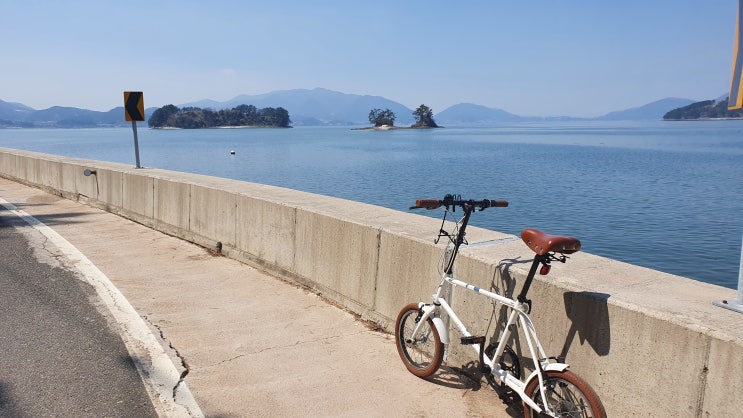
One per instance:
[(484, 369), (471, 340)]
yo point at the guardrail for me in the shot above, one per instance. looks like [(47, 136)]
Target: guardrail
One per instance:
[(650, 343)]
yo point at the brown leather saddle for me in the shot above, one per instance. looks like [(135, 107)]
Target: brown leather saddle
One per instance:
[(542, 243)]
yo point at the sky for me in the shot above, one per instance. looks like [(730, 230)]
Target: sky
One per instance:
[(528, 57)]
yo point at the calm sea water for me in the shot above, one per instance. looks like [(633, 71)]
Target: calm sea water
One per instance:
[(665, 195)]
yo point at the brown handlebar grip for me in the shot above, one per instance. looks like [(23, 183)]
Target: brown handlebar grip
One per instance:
[(500, 203), (427, 203)]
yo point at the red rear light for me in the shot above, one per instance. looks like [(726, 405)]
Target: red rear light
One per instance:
[(545, 269)]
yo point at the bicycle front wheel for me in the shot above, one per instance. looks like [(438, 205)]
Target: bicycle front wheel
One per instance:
[(423, 354), (567, 396)]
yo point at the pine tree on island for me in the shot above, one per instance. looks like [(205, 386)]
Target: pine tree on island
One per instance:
[(424, 117), (382, 118)]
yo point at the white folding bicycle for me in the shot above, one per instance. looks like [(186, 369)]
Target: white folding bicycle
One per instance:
[(420, 333)]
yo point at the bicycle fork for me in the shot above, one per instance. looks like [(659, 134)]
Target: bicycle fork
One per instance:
[(428, 310)]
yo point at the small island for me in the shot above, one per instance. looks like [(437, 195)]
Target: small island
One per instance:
[(243, 116), (704, 110), (384, 120)]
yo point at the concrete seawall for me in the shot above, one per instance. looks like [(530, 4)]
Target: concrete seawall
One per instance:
[(648, 342)]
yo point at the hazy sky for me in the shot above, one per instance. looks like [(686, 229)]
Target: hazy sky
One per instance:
[(528, 57)]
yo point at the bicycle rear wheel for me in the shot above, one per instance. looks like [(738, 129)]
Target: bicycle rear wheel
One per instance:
[(422, 356), (567, 395)]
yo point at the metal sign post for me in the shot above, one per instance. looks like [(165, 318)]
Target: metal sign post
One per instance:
[(134, 111), (136, 143), (737, 304)]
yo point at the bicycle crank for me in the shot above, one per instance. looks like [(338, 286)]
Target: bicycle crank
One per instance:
[(472, 340)]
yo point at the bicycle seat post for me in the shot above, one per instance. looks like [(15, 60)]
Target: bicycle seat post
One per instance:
[(538, 259)]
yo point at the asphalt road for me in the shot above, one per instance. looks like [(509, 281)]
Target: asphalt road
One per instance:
[(58, 356)]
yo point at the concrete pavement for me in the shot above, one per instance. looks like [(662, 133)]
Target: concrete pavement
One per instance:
[(251, 344)]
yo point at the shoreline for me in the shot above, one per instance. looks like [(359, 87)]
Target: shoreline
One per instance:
[(393, 128), (174, 128), (699, 119)]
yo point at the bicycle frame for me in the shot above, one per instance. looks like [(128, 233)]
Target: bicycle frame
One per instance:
[(517, 313)]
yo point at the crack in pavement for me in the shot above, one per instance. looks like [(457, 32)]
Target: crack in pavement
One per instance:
[(181, 358), (279, 347)]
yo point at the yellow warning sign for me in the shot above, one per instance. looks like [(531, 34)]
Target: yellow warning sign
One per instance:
[(134, 105)]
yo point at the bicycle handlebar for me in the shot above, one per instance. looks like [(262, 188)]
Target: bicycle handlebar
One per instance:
[(450, 200)]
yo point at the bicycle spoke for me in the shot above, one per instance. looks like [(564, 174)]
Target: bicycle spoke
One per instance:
[(421, 347), (564, 401)]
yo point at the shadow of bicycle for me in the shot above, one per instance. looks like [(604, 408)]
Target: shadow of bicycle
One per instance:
[(456, 378), (469, 378), (589, 320), (587, 312)]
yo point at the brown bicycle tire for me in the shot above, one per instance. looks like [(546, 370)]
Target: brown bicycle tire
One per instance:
[(586, 392), (419, 369)]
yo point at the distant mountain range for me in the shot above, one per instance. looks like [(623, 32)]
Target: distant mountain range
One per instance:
[(314, 107), (17, 115), (654, 110)]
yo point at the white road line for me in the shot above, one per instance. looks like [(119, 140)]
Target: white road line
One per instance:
[(156, 369)]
